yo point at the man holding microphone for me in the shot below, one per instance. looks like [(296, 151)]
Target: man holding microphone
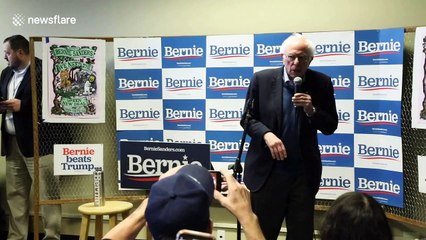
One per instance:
[(283, 165)]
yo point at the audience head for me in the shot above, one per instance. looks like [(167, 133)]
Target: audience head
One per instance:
[(180, 201), (16, 51), (355, 216)]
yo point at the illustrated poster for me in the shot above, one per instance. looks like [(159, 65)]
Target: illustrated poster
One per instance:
[(418, 100), (73, 80)]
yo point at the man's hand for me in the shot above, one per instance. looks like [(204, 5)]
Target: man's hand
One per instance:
[(303, 100), (275, 145), (238, 202), (130, 226), (13, 105)]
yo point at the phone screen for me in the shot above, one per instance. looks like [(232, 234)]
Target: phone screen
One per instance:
[(217, 179)]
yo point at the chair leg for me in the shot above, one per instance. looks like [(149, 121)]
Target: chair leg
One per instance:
[(113, 220), (99, 227), (84, 228)]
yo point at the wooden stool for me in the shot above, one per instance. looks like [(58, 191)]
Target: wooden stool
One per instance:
[(111, 208)]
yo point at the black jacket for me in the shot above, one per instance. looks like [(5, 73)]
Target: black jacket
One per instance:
[(266, 89), (23, 120)]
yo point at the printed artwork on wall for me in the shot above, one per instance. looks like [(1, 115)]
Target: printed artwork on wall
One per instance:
[(418, 99), (73, 80)]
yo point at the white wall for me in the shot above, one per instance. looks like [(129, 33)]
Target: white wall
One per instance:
[(137, 18), (111, 18), (208, 17)]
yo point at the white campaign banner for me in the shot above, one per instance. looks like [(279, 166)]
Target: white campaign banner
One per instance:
[(422, 173), (77, 159)]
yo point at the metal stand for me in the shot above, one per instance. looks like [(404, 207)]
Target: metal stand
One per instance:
[(237, 170), (236, 167)]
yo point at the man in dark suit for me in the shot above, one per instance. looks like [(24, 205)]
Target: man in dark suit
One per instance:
[(18, 145), (283, 164)]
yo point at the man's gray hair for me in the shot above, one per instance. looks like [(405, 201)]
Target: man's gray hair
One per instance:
[(295, 37)]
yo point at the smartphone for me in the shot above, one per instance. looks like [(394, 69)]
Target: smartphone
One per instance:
[(217, 179), (186, 234)]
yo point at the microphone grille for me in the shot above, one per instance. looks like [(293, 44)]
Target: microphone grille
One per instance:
[(297, 80)]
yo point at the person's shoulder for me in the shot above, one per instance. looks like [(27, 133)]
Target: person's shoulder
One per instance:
[(37, 60), (5, 71), (269, 71), (317, 75)]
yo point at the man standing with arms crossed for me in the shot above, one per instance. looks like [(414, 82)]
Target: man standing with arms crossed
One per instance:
[(283, 165), (17, 141)]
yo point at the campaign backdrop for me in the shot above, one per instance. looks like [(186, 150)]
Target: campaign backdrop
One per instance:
[(191, 89)]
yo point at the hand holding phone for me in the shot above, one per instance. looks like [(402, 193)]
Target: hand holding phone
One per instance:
[(217, 179)]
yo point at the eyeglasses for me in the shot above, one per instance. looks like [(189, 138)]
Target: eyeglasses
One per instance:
[(300, 58)]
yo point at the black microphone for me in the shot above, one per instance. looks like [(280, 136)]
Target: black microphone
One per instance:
[(297, 84)]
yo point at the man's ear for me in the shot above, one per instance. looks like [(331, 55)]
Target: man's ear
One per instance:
[(311, 58), (20, 53)]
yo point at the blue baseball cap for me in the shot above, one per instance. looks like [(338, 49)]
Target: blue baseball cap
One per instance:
[(180, 201)]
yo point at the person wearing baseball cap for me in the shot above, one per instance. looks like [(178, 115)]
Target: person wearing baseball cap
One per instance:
[(181, 200)]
